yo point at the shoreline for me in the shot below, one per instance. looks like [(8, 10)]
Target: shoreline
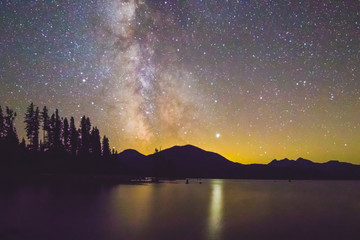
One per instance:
[(123, 179)]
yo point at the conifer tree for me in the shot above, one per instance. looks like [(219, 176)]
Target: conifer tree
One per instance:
[(29, 115), (95, 143), (106, 147), (36, 127), (85, 127), (11, 138), (74, 135), (32, 120), (57, 131), (45, 126), (51, 134), (66, 135)]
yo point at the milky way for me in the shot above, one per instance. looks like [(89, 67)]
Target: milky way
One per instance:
[(151, 95), (252, 80)]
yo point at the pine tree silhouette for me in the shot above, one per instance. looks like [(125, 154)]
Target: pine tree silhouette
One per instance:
[(74, 136), (36, 126), (57, 131), (9, 142), (28, 121), (106, 152), (85, 127), (11, 138), (45, 126), (66, 135), (95, 143), (51, 134), (32, 120)]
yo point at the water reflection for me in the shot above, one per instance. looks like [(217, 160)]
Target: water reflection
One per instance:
[(215, 209), (131, 206)]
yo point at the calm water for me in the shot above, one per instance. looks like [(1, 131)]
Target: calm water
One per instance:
[(216, 209)]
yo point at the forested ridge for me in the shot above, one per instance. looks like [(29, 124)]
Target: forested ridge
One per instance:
[(54, 144)]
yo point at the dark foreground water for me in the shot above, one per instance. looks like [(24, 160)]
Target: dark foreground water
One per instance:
[(216, 209)]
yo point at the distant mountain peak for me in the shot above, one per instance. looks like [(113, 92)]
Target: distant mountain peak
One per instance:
[(303, 160), (287, 162), (130, 153), (337, 163), (187, 146)]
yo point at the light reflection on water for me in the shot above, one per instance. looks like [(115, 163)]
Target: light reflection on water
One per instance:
[(213, 210), (134, 202)]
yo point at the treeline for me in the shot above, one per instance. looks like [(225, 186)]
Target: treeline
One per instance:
[(60, 134), (54, 143)]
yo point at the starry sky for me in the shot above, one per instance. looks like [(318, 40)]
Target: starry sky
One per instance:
[(251, 80)]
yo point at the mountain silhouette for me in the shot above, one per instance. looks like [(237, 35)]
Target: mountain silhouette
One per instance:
[(300, 162), (191, 161), (177, 161), (132, 162)]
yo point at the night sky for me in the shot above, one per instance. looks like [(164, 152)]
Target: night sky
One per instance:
[(251, 80)]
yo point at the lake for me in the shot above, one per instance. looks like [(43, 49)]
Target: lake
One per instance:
[(215, 209)]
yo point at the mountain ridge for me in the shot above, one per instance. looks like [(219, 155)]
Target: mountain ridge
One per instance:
[(274, 161), (191, 161)]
